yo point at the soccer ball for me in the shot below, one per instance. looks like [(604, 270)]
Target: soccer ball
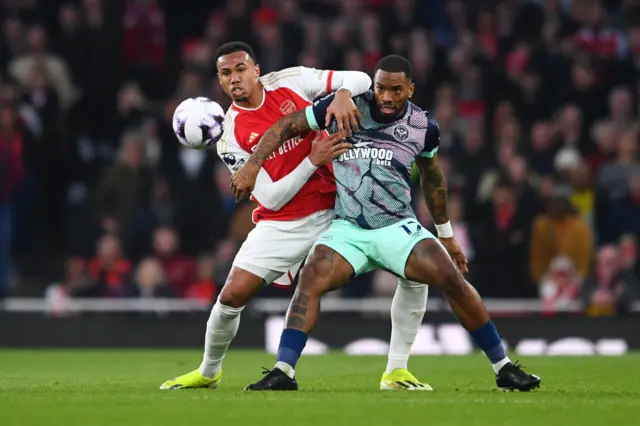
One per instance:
[(197, 122)]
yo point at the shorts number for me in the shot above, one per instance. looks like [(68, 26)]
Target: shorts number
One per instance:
[(408, 230)]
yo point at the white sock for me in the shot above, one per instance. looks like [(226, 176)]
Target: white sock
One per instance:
[(407, 309), (286, 369), (221, 329), (498, 365)]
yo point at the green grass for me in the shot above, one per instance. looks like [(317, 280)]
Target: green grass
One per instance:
[(120, 388)]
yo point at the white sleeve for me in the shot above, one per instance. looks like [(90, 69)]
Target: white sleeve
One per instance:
[(356, 82), (274, 195), (312, 83), (228, 148)]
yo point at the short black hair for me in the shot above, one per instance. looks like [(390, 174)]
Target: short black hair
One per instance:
[(233, 47), (395, 63)]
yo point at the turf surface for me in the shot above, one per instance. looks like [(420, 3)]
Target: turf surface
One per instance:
[(120, 388)]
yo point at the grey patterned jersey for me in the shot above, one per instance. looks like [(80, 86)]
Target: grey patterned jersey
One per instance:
[(373, 177)]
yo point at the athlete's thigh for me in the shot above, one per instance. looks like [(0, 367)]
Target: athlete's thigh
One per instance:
[(325, 270), (391, 246), (275, 250), (429, 263)]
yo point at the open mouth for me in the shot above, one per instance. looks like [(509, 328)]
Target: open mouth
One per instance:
[(237, 91), (387, 109)]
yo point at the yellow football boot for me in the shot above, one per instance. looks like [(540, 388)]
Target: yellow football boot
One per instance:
[(192, 380), (401, 379)]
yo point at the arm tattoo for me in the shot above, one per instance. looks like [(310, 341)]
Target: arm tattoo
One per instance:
[(296, 317), (286, 128), (434, 188)]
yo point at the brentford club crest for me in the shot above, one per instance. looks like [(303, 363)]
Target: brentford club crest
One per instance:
[(288, 107)]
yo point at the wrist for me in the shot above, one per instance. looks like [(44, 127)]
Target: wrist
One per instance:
[(344, 91), (312, 161), (445, 230)]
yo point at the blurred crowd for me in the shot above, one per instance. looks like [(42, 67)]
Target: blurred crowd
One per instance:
[(537, 103)]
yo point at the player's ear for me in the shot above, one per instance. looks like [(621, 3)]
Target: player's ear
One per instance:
[(412, 88), (256, 69)]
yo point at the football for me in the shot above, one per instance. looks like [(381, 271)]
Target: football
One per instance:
[(197, 122)]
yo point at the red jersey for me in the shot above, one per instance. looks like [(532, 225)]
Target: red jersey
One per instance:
[(285, 92)]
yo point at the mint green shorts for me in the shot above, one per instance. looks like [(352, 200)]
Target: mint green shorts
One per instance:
[(385, 248)]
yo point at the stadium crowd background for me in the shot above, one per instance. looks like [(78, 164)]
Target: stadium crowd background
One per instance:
[(537, 103)]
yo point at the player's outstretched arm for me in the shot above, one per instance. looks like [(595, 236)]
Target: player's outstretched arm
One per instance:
[(434, 190)]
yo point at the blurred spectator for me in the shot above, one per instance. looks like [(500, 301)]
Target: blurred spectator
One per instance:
[(223, 256), (75, 281), (620, 108), (543, 148), (605, 135), (582, 194), (109, 271), (204, 288), (179, 269), (560, 232), (560, 285), (124, 188), (11, 169), (614, 175), (144, 42), (13, 42), (623, 215), (611, 287), (150, 281), (500, 241), (38, 57)]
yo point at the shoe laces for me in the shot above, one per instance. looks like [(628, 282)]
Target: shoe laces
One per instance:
[(518, 368)]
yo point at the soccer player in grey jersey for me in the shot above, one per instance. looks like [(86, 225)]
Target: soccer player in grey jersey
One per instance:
[(375, 226)]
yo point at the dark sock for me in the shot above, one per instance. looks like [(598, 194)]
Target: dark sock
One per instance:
[(292, 342), (488, 339)]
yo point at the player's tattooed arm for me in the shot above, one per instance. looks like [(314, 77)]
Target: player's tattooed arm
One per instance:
[(434, 188), (287, 127)]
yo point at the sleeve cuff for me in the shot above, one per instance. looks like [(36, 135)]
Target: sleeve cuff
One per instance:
[(429, 154), (308, 165), (311, 118)]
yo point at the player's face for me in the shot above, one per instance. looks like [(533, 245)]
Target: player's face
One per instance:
[(238, 75), (392, 90)]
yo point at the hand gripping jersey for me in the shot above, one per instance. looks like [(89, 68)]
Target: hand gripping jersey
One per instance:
[(373, 177), (285, 92)]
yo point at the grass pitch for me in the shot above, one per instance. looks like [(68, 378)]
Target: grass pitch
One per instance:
[(120, 388)]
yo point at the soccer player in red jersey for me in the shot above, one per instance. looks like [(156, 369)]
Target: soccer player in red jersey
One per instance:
[(295, 192)]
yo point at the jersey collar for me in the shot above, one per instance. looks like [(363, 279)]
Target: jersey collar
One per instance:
[(264, 96)]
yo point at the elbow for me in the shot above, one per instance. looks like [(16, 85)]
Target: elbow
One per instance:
[(366, 80)]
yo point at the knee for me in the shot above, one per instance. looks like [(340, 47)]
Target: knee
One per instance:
[(233, 297), (314, 276), (451, 280)]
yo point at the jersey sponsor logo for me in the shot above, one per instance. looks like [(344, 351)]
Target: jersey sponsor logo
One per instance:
[(288, 107), (232, 162), (381, 156), (401, 132)]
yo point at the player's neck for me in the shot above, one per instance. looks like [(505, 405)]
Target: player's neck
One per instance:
[(254, 101)]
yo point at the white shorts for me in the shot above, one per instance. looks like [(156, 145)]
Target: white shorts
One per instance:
[(274, 250)]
